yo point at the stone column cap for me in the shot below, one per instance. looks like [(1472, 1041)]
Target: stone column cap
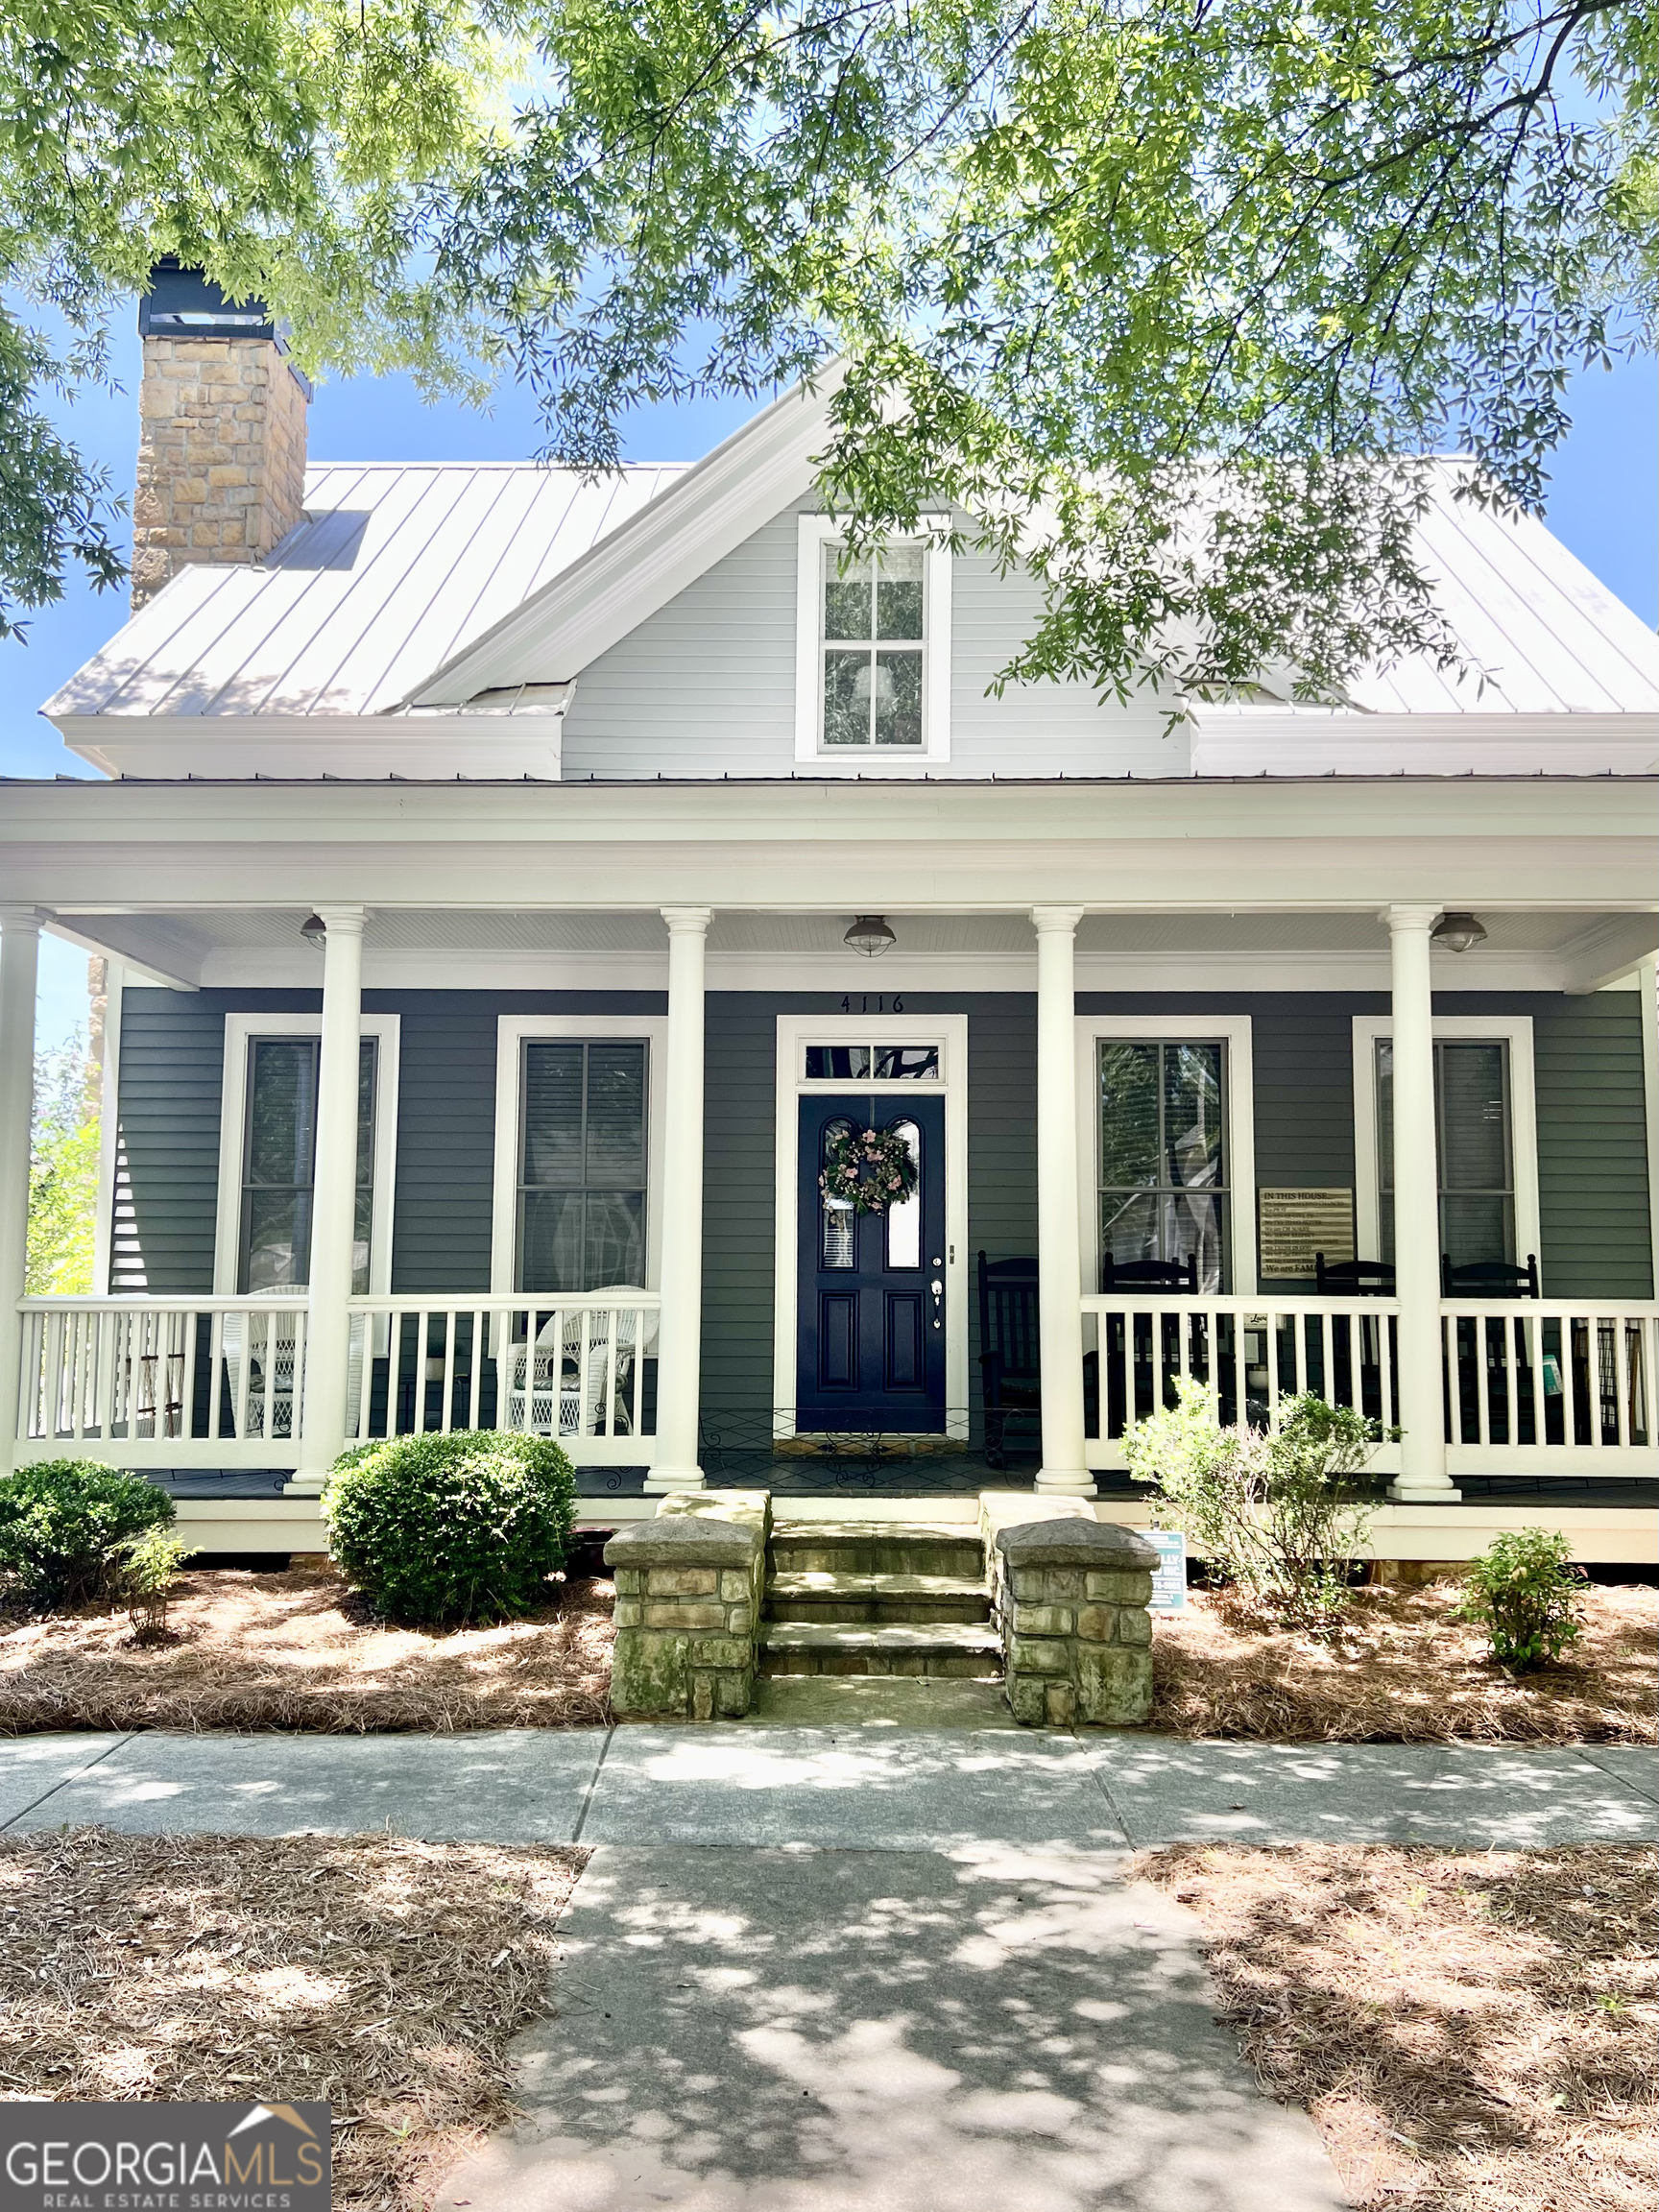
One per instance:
[(683, 1540), (1074, 1542)]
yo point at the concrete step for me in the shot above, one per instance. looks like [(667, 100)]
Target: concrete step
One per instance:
[(872, 1598), (876, 1548), (944, 1647)]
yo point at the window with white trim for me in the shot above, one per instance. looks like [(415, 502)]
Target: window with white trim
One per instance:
[(873, 657), (874, 646), (582, 1164), (1475, 1148), (279, 1163), (1164, 1190)]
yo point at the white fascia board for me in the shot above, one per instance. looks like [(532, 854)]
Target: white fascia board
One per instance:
[(1290, 741), (1523, 846), (230, 748), (701, 518)]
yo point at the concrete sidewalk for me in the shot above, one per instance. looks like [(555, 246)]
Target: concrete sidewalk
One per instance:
[(996, 2027), (860, 1788)]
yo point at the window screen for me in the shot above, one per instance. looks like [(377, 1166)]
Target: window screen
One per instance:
[(279, 1163), (1163, 1170), (1476, 1172), (581, 1167)]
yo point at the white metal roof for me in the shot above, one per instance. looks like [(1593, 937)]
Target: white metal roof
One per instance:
[(396, 567), (1551, 636)]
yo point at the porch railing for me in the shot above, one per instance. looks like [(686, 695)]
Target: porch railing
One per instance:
[(1254, 1351), (1546, 1387), (1528, 1382), (217, 1381), (583, 1370)]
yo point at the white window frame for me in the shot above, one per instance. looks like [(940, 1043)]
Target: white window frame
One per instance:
[(795, 1032), (513, 1031), (1514, 1029), (817, 531), (240, 1030), (1234, 1031)]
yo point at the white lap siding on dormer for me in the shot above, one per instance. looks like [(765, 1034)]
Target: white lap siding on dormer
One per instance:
[(705, 686)]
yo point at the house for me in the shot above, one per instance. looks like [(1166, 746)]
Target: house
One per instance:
[(518, 892)]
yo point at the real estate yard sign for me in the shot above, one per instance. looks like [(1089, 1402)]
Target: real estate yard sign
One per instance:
[(1169, 1576)]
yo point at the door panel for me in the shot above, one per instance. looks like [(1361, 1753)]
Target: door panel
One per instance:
[(871, 1349), (838, 1341), (904, 1340)]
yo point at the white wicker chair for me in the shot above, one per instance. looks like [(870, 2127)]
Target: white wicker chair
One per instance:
[(556, 1387), (270, 1343), (273, 1345)]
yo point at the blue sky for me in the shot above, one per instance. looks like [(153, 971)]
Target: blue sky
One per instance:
[(1603, 503)]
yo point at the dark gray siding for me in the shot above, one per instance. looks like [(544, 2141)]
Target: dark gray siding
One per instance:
[(172, 1060), (167, 1197), (1593, 1144), (1302, 1050), (446, 1121), (1591, 1135)]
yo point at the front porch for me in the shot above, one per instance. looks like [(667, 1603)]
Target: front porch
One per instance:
[(1300, 1048)]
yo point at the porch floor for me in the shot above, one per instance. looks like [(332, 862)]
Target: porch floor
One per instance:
[(934, 1476)]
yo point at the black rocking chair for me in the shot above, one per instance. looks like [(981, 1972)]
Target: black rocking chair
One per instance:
[(1353, 1278), (1489, 1278), (1149, 1275), (1009, 1365)]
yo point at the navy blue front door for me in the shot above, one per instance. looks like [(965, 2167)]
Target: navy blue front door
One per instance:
[(871, 1286)]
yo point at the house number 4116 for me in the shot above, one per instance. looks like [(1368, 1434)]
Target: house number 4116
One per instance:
[(880, 1006)]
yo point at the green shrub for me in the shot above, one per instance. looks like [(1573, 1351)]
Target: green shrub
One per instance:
[(448, 1530), (1524, 1592), (1281, 1512), (142, 1574), (62, 1523)]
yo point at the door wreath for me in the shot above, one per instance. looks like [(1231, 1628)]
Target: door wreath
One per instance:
[(868, 1169)]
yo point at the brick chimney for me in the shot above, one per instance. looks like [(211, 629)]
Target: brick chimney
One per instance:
[(221, 435)]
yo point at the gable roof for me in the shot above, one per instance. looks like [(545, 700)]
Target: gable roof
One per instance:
[(426, 584), (751, 476), (395, 569)]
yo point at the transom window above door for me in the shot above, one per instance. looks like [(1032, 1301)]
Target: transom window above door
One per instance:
[(872, 1064), (1163, 1170), (582, 1165), (875, 637)]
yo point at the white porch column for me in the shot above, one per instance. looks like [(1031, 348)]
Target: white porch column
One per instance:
[(1059, 1248), (680, 1328), (333, 1198), (19, 965), (1416, 1211)]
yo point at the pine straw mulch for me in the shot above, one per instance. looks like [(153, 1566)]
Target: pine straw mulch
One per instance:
[(1400, 1670), (387, 1977), (300, 1651), (1472, 2033)]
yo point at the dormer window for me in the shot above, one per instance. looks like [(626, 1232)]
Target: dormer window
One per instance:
[(873, 652), (874, 644)]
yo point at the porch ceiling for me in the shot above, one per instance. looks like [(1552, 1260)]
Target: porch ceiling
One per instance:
[(410, 946)]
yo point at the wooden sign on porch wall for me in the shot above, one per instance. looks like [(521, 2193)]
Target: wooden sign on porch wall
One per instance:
[(1296, 1224)]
